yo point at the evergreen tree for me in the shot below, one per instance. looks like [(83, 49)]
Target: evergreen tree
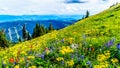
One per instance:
[(29, 37), (40, 30), (24, 32), (19, 40), (37, 31), (51, 27), (43, 29), (34, 33), (3, 41), (87, 14), (47, 30)]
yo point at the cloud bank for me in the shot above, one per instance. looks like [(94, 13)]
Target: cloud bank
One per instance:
[(41, 7)]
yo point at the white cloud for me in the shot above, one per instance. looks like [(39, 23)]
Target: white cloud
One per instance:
[(52, 7)]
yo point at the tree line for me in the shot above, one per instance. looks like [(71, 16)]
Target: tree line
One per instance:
[(39, 30)]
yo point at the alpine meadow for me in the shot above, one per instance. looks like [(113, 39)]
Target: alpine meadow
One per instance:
[(92, 42)]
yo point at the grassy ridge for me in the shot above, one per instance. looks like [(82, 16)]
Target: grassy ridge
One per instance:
[(94, 40)]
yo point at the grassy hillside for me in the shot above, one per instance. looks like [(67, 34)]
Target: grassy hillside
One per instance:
[(92, 42)]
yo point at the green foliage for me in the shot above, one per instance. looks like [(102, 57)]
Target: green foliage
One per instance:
[(19, 40), (24, 32), (87, 14), (51, 27), (3, 41), (40, 30), (28, 36)]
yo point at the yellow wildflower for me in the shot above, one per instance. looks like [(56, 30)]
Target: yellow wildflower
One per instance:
[(15, 53), (107, 55), (101, 57), (104, 64), (66, 49), (17, 66), (74, 33), (101, 33), (21, 60), (62, 51), (31, 57), (71, 40), (70, 63), (32, 67), (5, 57), (7, 66), (4, 62), (24, 53), (59, 59), (114, 60), (90, 45), (96, 66), (101, 65)]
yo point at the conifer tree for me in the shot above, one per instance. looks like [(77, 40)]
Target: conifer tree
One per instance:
[(40, 30), (19, 40), (3, 40), (43, 29), (28, 36), (51, 27), (34, 33), (37, 31), (24, 32), (47, 30), (87, 14)]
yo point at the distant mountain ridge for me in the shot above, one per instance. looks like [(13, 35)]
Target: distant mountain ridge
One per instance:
[(5, 18)]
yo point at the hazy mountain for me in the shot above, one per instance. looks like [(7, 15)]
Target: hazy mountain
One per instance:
[(13, 24)]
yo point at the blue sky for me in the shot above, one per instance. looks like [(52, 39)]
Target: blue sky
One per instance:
[(62, 7)]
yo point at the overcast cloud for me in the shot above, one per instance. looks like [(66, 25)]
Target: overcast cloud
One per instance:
[(38, 7)]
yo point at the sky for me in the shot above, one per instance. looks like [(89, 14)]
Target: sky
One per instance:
[(53, 7)]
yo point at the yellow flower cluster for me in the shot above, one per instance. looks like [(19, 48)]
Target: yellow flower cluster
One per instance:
[(59, 59), (16, 66), (66, 49), (107, 53), (103, 57), (31, 57), (70, 63), (4, 62), (33, 67), (102, 65), (114, 60), (71, 40), (24, 53), (21, 60)]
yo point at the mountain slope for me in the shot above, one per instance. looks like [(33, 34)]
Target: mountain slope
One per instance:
[(93, 41)]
